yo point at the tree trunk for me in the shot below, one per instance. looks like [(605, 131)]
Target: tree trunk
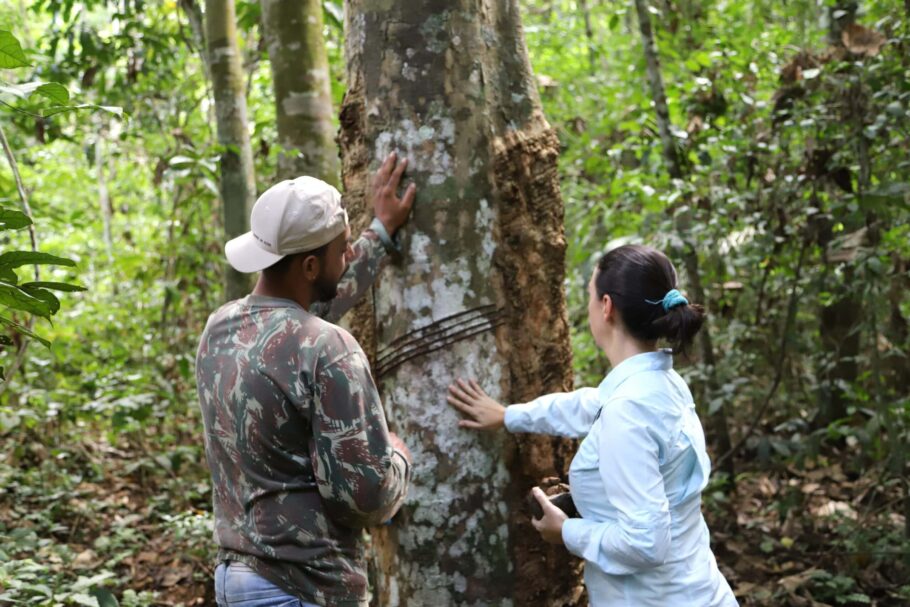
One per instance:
[(718, 421), (303, 98), (238, 182), (479, 293)]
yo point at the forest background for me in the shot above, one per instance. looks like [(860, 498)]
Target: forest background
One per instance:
[(789, 206)]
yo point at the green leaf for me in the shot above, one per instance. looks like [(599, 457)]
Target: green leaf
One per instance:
[(54, 286), (44, 295), (111, 109), (334, 11), (86, 600), (55, 92), (105, 597), (11, 54), (17, 299), (15, 259), (22, 91), (11, 219)]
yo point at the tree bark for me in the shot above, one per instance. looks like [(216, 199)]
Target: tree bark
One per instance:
[(303, 98), (479, 293), (718, 421), (238, 182)]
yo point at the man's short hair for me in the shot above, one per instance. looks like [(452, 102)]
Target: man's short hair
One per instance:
[(281, 267)]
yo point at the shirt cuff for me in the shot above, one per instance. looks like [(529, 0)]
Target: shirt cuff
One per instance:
[(517, 419), (573, 532), (407, 464), (390, 244)]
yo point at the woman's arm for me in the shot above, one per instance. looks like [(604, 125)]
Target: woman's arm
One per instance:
[(561, 414), (568, 414), (629, 467)]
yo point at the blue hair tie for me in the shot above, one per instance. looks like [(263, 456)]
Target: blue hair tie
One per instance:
[(671, 300)]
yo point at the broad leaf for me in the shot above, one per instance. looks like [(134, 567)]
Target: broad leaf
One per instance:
[(53, 304), (14, 259), (55, 286), (11, 54), (17, 299), (11, 219), (104, 597), (334, 11), (21, 91), (111, 109), (8, 275), (55, 92)]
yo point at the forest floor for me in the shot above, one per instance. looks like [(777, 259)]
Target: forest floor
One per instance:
[(93, 521)]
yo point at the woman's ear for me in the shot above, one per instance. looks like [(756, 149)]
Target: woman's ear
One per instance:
[(607, 307)]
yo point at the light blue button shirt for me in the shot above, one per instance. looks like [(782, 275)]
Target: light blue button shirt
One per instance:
[(637, 481)]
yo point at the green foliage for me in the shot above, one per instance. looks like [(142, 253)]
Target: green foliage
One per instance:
[(795, 189), (34, 298)]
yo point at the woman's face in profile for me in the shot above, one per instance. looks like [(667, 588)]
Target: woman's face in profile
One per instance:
[(596, 321)]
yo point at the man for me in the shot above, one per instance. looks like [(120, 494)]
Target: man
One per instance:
[(295, 435)]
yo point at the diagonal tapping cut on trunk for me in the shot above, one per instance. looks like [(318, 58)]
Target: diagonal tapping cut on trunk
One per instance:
[(437, 335)]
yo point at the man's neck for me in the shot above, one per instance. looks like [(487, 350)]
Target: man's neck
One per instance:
[(268, 288)]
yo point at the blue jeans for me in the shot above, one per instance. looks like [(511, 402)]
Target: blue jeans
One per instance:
[(236, 585)]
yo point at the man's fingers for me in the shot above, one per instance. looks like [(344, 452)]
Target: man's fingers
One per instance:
[(407, 201), (395, 177), (382, 175), (537, 522)]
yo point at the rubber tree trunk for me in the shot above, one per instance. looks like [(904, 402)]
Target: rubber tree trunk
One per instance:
[(478, 293), (718, 421), (238, 182), (303, 99)]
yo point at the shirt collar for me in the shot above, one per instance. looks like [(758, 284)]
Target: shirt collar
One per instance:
[(266, 301), (662, 360)]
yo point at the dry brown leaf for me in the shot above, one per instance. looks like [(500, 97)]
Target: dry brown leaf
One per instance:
[(792, 582), (861, 40), (87, 559), (834, 507), (174, 576)]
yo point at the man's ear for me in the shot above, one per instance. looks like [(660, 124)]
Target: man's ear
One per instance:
[(311, 266)]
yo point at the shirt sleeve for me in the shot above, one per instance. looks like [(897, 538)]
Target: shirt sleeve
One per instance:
[(561, 414), (639, 539), (371, 252), (361, 478)]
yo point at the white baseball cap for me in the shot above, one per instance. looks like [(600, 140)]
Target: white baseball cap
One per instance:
[(292, 216)]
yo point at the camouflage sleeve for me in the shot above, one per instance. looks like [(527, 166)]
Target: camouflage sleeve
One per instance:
[(370, 256), (362, 479)]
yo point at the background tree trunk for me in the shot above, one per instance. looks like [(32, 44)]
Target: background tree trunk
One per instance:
[(303, 98), (479, 293), (238, 182), (841, 318), (718, 421)]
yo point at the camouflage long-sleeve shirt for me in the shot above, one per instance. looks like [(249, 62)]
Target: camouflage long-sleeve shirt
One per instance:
[(296, 439)]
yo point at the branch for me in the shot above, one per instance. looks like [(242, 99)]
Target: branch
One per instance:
[(20, 354)]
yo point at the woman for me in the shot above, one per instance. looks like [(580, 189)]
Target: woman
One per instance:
[(639, 472)]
